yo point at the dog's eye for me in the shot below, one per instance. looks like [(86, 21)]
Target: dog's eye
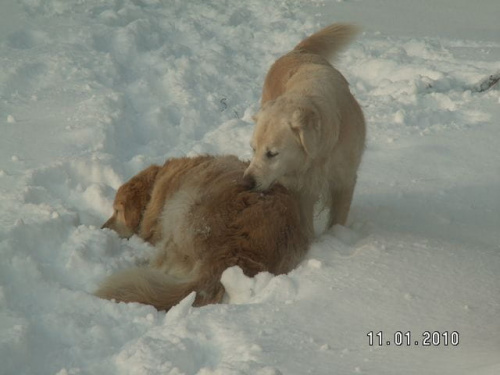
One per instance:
[(271, 154)]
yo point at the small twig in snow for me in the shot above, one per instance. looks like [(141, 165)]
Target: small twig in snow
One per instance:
[(486, 83)]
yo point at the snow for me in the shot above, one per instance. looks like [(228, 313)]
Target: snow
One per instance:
[(93, 91)]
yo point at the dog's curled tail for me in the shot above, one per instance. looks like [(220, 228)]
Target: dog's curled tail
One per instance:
[(153, 287), (329, 40)]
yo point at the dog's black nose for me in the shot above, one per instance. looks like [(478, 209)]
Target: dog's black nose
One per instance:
[(248, 181)]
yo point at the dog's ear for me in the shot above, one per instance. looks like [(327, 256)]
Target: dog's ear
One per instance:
[(132, 213), (135, 195), (305, 123)]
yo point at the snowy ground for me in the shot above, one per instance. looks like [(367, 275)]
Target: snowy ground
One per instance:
[(93, 91)]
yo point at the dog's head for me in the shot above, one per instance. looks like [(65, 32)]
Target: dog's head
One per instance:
[(130, 202), (284, 142)]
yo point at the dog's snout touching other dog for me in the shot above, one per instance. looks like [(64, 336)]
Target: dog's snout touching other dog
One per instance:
[(309, 134), (202, 219), (248, 181)]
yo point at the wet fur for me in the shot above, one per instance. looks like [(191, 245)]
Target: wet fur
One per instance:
[(202, 220), (313, 126)]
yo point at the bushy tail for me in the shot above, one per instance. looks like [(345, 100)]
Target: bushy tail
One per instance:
[(152, 287), (328, 41)]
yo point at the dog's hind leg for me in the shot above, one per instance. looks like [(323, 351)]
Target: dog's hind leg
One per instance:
[(340, 204)]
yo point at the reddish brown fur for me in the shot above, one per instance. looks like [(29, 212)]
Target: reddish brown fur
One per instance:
[(203, 221), (170, 178)]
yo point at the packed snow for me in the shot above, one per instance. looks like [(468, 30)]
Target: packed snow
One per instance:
[(93, 91)]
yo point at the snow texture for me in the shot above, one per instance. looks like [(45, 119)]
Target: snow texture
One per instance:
[(93, 91)]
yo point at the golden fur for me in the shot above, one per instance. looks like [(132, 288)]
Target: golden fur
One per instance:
[(202, 220), (310, 131)]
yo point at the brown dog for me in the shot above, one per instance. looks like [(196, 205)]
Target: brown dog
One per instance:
[(202, 219), (310, 131)]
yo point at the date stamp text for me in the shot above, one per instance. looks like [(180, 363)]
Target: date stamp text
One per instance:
[(406, 338)]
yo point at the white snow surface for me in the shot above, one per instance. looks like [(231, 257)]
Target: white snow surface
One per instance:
[(93, 91)]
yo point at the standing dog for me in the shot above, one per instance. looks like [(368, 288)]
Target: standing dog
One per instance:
[(202, 220), (310, 131)]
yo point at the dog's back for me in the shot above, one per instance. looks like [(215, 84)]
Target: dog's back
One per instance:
[(216, 222), (317, 49)]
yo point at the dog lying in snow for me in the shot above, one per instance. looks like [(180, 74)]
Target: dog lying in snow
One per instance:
[(202, 220), (310, 131)]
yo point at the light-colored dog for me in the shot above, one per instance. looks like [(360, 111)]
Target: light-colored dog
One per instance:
[(202, 219), (310, 131)]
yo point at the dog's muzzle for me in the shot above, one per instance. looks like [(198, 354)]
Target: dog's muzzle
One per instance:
[(249, 181)]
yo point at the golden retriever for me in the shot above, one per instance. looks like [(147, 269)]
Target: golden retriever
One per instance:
[(310, 131), (202, 219)]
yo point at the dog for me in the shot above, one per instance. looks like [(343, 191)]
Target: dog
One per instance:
[(202, 219), (310, 130)]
